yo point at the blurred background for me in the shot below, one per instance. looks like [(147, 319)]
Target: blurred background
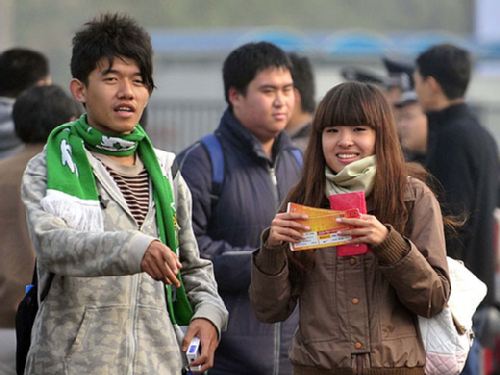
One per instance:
[(192, 37)]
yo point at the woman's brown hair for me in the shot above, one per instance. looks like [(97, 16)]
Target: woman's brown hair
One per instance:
[(355, 103)]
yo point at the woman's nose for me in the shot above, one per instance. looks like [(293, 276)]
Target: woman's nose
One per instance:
[(345, 139)]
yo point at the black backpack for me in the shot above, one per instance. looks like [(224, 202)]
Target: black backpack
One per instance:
[(25, 317)]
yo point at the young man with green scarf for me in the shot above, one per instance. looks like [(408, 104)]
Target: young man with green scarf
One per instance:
[(112, 227)]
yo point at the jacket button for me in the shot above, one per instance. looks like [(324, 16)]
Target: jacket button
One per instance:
[(358, 345), (355, 301), (353, 261)]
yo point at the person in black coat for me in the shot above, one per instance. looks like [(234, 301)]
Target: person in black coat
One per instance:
[(462, 155)]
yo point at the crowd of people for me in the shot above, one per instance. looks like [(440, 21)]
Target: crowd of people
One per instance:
[(140, 252)]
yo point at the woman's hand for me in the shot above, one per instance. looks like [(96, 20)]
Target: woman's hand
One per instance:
[(367, 229), (286, 227)]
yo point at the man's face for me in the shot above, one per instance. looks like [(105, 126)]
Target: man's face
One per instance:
[(423, 90), (267, 105), (114, 97), (412, 127)]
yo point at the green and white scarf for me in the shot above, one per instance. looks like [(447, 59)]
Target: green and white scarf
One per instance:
[(71, 187), (357, 176)]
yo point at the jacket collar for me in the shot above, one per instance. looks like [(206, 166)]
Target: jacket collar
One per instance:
[(244, 140), (439, 118)]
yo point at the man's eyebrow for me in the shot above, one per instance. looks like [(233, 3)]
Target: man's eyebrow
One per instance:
[(114, 71), (273, 86), (109, 70)]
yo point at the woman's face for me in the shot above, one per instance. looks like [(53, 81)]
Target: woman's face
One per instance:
[(344, 144)]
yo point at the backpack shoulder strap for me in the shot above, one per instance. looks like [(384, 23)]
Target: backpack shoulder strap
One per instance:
[(34, 282), (214, 149), (297, 154)]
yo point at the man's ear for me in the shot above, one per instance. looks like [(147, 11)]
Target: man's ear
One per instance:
[(234, 96), (78, 90), (434, 84)]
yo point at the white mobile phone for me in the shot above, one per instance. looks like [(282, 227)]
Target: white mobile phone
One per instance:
[(193, 352)]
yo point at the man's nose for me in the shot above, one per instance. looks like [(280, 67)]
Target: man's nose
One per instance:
[(126, 91)]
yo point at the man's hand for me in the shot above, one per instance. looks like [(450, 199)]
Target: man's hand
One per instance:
[(209, 341), (161, 263)]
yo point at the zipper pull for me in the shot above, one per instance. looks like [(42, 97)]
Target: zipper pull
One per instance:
[(272, 172)]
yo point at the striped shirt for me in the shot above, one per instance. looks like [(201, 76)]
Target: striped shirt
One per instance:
[(134, 185)]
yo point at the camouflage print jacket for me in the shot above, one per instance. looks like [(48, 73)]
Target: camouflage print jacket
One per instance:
[(103, 315)]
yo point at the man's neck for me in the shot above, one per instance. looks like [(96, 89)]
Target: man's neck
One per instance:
[(267, 146), (298, 121), (126, 161), (443, 103)]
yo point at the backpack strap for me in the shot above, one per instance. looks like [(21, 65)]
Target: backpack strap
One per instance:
[(34, 282), (297, 154), (214, 149)]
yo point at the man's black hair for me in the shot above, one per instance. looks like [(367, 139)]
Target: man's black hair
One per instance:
[(245, 62), (40, 109), (111, 36), (303, 81), (449, 65), (21, 68)]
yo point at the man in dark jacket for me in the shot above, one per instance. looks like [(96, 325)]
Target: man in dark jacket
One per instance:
[(259, 169), (462, 155)]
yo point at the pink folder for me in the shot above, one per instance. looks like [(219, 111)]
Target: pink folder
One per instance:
[(347, 201)]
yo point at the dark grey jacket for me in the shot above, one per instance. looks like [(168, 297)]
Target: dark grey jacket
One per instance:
[(229, 230)]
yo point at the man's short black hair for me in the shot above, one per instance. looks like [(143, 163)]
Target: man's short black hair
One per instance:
[(21, 68), (40, 109), (245, 62), (111, 36), (449, 65), (303, 81)]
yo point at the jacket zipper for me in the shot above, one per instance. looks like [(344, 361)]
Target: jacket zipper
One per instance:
[(277, 326), (274, 181), (132, 320)]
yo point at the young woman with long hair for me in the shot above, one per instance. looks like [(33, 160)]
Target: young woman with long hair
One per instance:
[(357, 313)]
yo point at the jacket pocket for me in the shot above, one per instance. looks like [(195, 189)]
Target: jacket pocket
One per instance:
[(100, 345), (318, 301)]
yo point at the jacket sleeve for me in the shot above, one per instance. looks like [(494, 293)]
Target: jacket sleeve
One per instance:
[(271, 292), (197, 273), (416, 267), (66, 251), (231, 263)]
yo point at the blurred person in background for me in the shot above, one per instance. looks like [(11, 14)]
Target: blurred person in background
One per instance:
[(260, 167), (389, 85), (411, 122), (299, 126), (36, 112), (463, 156), (399, 78), (20, 68)]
